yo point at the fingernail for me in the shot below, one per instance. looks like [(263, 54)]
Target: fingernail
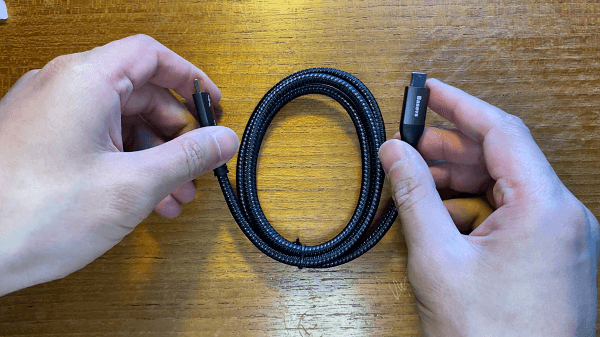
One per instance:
[(392, 152), (227, 141)]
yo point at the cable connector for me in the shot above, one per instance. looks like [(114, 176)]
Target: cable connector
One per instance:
[(414, 108), (205, 117), (203, 108)]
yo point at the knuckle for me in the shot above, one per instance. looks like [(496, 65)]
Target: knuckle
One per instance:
[(141, 39), (58, 64), (196, 157), (409, 191), (595, 230), (32, 72), (585, 226), (594, 227), (74, 68), (123, 85), (513, 122), (577, 227), (62, 60)]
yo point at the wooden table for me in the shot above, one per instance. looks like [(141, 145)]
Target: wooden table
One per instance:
[(198, 274)]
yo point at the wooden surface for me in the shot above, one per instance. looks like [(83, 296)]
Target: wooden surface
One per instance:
[(198, 274)]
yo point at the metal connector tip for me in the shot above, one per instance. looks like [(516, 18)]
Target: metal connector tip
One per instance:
[(418, 79), (198, 86)]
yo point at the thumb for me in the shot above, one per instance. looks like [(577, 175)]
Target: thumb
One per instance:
[(169, 165), (422, 213)]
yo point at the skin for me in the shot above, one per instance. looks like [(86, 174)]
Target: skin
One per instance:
[(73, 188), (68, 185), (527, 269)]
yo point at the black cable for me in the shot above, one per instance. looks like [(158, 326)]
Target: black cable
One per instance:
[(356, 238)]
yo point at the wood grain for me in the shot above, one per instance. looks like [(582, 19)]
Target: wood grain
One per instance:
[(198, 274)]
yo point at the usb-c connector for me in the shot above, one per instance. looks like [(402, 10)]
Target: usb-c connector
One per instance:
[(204, 114), (203, 109), (414, 107)]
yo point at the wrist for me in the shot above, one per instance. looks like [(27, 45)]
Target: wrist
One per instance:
[(23, 260), (13, 273), (563, 319), (25, 236)]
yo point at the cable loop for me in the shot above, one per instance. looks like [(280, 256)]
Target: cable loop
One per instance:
[(356, 238)]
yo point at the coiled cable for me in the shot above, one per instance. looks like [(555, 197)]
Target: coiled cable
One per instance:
[(358, 236)]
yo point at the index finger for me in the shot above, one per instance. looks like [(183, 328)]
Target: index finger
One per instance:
[(511, 155), (131, 62), (472, 116)]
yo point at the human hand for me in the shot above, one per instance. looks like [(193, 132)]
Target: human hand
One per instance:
[(530, 268), (70, 192)]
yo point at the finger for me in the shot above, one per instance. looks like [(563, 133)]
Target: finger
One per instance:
[(145, 139), (468, 213), (462, 178), (140, 136), (168, 207), (462, 166), (451, 146), (164, 168), (472, 116), (185, 193), (420, 209), (511, 155), (161, 110), (130, 63)]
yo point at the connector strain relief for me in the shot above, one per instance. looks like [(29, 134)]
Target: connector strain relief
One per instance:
[(221, 171), (412, 133)]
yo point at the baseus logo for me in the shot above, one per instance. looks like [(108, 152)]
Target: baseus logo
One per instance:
[(417, 104)]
